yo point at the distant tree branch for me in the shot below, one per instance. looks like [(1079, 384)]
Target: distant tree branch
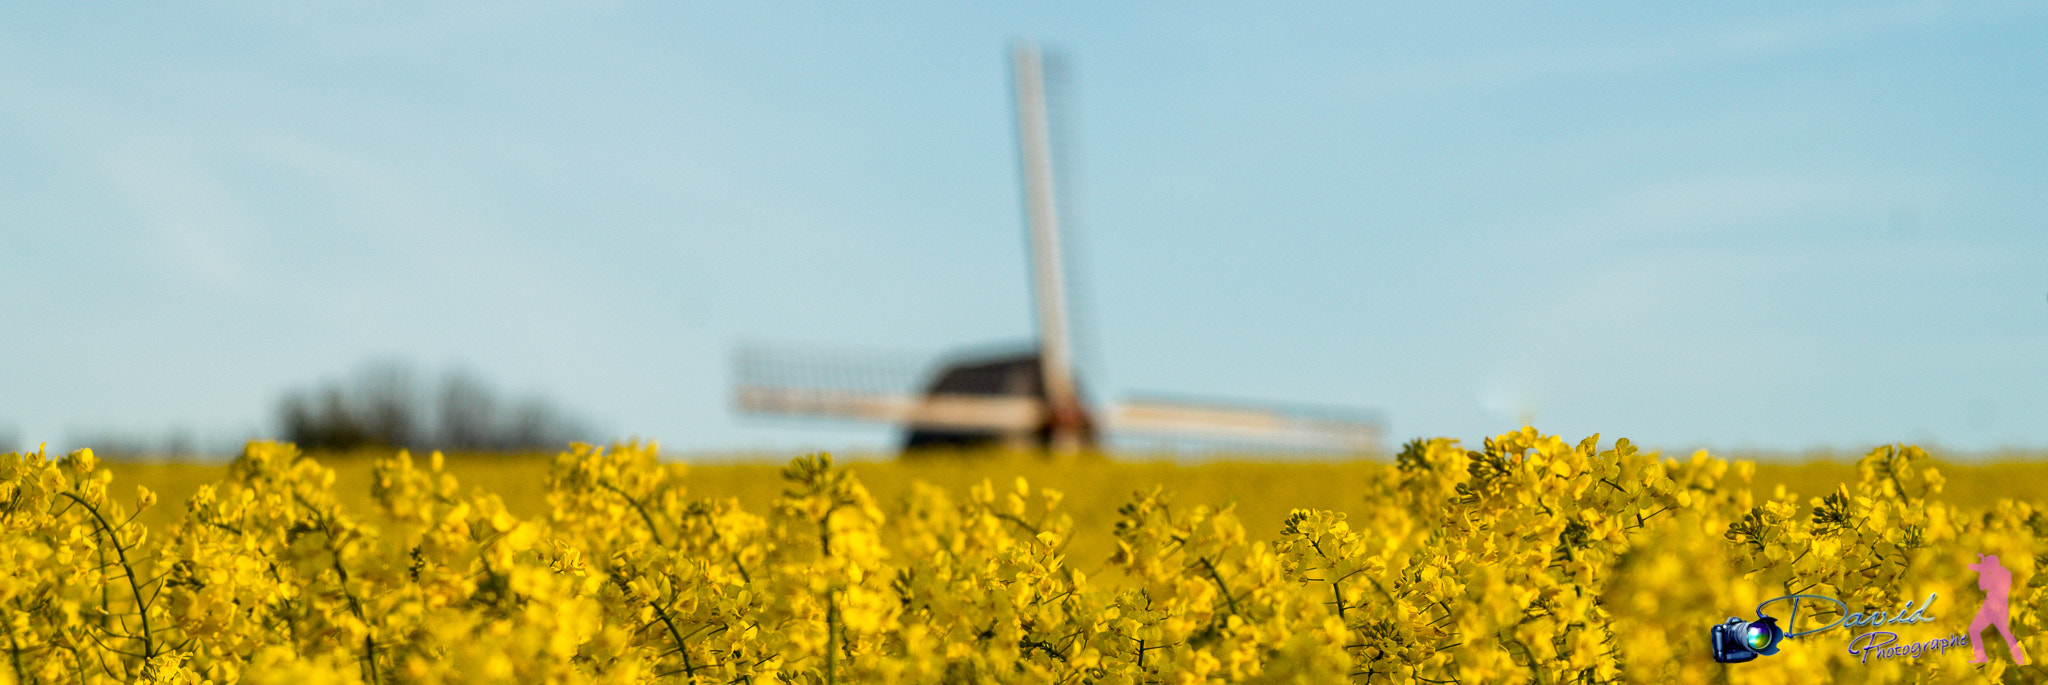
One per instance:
[(384, 407)]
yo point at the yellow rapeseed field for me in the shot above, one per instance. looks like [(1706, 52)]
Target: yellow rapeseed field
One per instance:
[(1528, 559)]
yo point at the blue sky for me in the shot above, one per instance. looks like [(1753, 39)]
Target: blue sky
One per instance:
[(1735, 226)]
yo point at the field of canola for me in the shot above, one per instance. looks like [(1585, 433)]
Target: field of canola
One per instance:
[(1527, 560)]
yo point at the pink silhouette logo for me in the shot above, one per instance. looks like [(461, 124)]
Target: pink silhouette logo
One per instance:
[(1995, 581)]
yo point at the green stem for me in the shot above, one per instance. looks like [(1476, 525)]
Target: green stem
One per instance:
[(1219, 584), (106, 593), (148, 646), (369, 644), (831, 640), (652, 530), (831, 605), (14, 645), (323, 521), (689, 669), (742, 567)]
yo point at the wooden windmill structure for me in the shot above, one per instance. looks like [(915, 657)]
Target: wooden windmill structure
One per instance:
[(1030, 399)]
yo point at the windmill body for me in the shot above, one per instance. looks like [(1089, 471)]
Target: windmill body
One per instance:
[(997, 379)]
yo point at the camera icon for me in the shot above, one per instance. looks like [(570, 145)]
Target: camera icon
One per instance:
[(1736, 640)]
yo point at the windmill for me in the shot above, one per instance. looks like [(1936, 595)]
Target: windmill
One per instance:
[(1026, 399)]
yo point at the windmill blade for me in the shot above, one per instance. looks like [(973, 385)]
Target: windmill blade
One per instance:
[(1005, 413), (836, 369), (987, 395), (1041, 214), (1293, 428)]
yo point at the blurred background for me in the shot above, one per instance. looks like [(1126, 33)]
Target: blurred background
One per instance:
[(1743, 227)]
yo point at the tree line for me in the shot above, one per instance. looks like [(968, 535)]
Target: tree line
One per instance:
[(385, 405)]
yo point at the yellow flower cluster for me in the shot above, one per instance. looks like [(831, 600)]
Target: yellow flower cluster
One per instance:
[(1531, 560)]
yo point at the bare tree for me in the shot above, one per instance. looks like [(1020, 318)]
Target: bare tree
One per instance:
[(382, 406), (319, 419), (467, 410), (389, 404), (534, 422)]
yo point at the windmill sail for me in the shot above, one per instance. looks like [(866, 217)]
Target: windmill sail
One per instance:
[(1297, 428), (1024, 400), (880, 387), (1000, 400), (1068, 419)]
